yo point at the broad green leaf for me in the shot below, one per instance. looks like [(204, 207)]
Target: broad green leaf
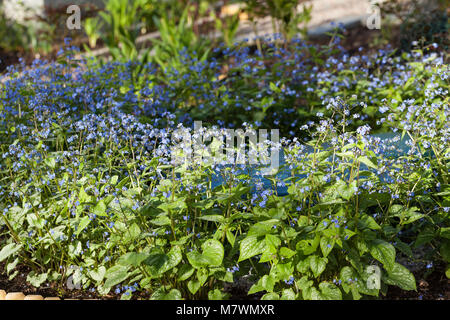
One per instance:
[(267, 282), (216, 294), (193, 286), (367, 221), (288, 294), (326, 245), (308, 246), (424, 237), (367, 162), (329, 291), (445, 233), (202, 275), (211, 256), (185, 272), (213, 218), (317, 265), (83, 224), (173, 294), (116, 275), (250, 247), (98, 275), (286, 252), (162, 294), (9, 250), (134, 232), (346, 274), (36, 280), (270, 296), (383, 252), (262, 228), (401, 277), (445, 250), (403, 247), (132, 259), (273, 240), (282, 271), (100, 209), (158, 262)]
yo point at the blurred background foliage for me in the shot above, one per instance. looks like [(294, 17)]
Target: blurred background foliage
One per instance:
[(126, 27), (419, 20)]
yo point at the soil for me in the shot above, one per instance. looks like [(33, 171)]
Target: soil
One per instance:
[(432, 284)]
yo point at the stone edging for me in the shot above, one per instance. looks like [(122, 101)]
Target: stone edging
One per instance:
[(21, 296)]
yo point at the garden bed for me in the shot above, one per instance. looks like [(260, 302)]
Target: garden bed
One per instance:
[(134, 179)]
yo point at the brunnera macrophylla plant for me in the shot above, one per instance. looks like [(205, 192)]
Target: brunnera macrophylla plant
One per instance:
[(88, 189), (349, 202)]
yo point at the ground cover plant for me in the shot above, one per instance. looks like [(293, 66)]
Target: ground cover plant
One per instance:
[(89, 190)]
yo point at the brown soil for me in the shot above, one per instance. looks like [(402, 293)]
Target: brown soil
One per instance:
[(431, 285)]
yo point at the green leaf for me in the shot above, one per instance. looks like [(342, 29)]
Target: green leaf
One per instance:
[(83, 224), (164, 262), (317, 265), (315, 294), (100, 209), (116, 275), (250, 247), (424, 237), (51, 162), (270, 296), (401, 277), (212, 255), (308, 246), (202, 275), (173, 294), (345, 190), (132, 259), (367, 222), (133, 233), (288, 294), (445, 233), (83, 197), (345, 275), (162, 294), (403, 247), (329, 291), (282, 271), (36, 279), (98, 275), (267, 282), (367, 162), (273, 240), (383, 252), (286, 252), (274, 87), (445, 250), (193, 286), (216, 294), (11, 266), (261, 228), (185, 272), (213, 218), (9, 250), (326, 245)]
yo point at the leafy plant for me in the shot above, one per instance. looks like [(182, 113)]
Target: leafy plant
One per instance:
[(89, 188), (285, 17)]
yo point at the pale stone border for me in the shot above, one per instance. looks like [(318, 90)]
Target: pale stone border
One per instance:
[(21, 296)]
